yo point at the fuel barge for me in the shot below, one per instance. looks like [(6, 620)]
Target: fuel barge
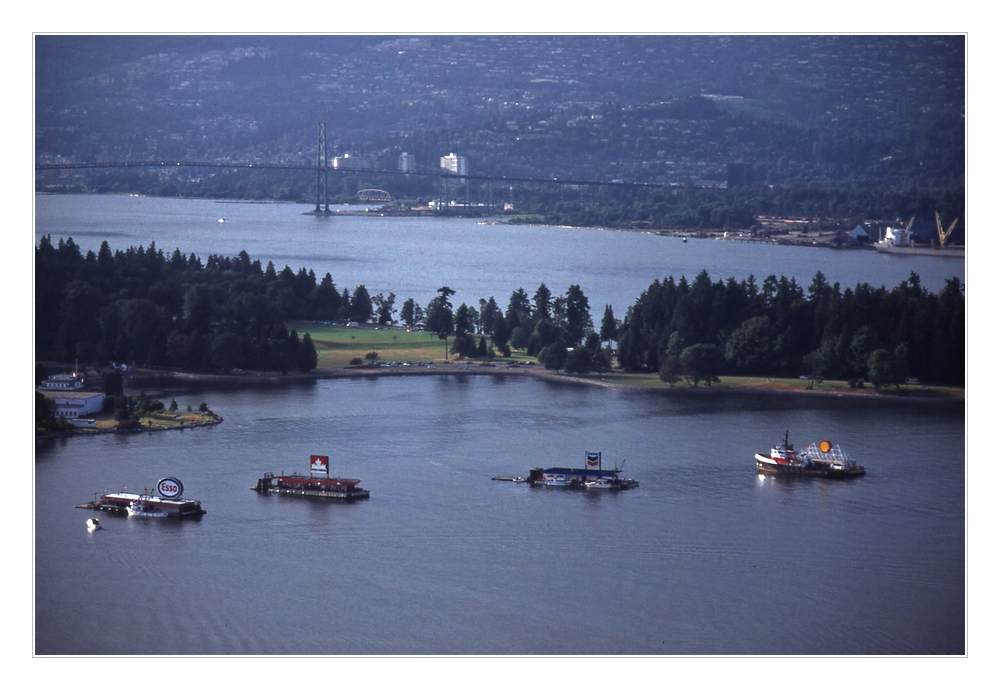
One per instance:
[(317, 483), (167, 504), (591, 476)]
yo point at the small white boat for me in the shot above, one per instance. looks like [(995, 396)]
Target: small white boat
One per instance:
[(93, 524), (144, 509), (602, 483)]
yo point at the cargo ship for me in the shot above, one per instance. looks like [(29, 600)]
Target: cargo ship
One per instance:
[(591, 476), (167, 504), (818, 460), (317, 483), (904, 241)]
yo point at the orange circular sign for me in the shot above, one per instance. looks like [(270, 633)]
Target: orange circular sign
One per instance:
[(824, 446)]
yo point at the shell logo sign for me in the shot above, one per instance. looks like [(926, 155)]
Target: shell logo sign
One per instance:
[(824, 446), (169, 487)]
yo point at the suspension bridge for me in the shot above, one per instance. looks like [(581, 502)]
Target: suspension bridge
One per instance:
[(323, 168)]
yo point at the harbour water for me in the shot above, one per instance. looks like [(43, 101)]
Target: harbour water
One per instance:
[(704, 557), (413, 257)]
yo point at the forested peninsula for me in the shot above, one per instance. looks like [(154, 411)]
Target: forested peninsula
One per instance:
[(143, 307)]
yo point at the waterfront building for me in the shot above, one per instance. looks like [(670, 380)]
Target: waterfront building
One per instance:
[(75, 403), (62, 382)]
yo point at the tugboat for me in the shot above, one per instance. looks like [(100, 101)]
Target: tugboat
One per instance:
[(818, 460), (168, 504), (591, 476), (317, 483)]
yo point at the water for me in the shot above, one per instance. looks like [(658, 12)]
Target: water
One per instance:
[(413, 257), (705, 557)]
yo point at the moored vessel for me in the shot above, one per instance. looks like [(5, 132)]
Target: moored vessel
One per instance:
[(904, 241), (317, 483), (167, 504), (919, 250), (818, 460), (144, 508), (591, 476)]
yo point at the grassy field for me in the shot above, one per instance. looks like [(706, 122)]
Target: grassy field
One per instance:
[(336, 346)]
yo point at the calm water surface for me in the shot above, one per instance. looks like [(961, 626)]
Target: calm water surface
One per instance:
[(705, 557), (413, 257)]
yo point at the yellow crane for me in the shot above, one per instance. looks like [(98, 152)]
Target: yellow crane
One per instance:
[(943, 235)]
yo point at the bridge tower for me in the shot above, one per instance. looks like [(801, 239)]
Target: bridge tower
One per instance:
[(322, 173)]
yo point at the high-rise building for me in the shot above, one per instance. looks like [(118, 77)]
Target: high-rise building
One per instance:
[(407, 162), (349, 162), (458, 165)]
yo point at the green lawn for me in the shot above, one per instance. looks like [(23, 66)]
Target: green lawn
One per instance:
[(336, 346)]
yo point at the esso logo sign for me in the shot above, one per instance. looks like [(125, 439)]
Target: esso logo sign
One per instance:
[(169, 487)]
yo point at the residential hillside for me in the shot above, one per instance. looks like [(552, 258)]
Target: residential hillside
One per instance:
[(873, 112)]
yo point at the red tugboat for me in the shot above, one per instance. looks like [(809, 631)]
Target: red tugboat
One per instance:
[(818, 460), (317, 483)]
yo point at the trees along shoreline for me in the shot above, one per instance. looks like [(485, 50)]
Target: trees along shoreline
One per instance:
[(704, 329), (142, 307)]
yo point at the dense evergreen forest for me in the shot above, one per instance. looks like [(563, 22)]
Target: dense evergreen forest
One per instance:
[(703, 329), (142, 307)]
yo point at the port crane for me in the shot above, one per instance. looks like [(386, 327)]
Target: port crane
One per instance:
[(943, 235)]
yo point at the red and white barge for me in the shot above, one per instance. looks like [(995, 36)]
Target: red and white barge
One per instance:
[(167, 504), (317, 483)]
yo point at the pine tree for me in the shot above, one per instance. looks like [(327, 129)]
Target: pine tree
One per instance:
[(307, 357), (609, 327)]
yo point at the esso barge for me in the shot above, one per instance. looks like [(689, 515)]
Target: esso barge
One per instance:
[(818, 460), (317, 483), (168, 504)]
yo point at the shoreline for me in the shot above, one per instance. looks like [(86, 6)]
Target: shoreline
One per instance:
[(765, 386), (770, 387), (824, 239), (53, 435)]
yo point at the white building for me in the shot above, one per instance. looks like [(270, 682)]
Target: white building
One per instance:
[(349, 162), (459, 165), (62, 382), (407, 163), (74, 403)]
